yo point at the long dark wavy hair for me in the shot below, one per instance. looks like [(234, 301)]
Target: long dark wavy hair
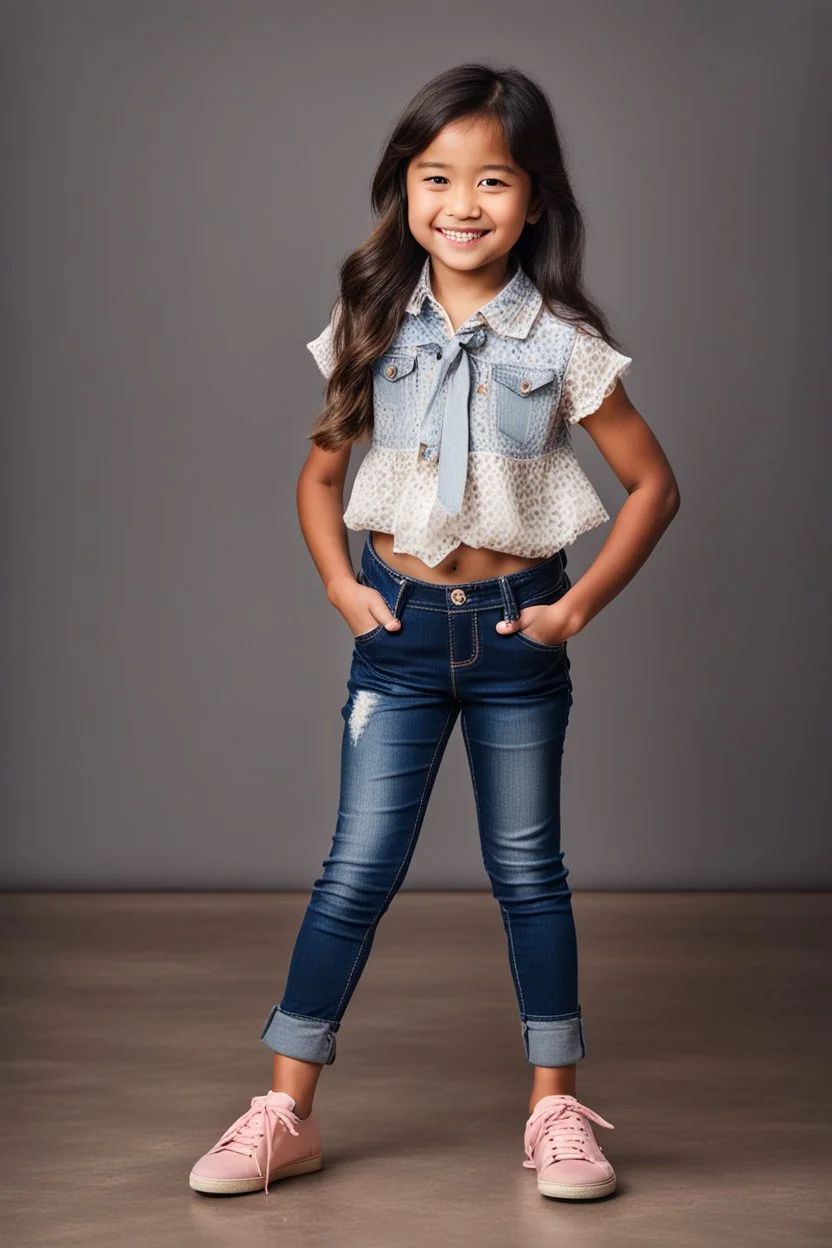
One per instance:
[(377, 279)]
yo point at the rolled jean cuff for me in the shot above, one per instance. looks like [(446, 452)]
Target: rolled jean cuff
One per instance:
[(554, 1041), (301, 1037)]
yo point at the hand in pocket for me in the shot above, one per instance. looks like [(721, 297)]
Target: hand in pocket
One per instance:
[(364, 609), (546, 623)]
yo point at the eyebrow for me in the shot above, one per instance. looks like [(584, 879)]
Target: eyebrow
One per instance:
[(437, 164)]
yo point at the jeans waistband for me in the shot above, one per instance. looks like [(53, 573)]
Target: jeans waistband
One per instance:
[(510, 591)]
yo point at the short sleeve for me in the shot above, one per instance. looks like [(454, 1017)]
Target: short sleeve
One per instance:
[(322, 347), (594, 368)]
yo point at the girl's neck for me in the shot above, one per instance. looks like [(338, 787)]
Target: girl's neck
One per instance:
[(462, 293)]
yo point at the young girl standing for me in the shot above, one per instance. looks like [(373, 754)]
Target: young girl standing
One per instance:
[(465, 347)]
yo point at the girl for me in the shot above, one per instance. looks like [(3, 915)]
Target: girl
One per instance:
[(464, 345)]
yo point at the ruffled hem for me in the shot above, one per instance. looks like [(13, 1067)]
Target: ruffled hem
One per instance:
[(530, 507)]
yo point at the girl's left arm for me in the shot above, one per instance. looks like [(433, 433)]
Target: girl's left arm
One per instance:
[(632, 450)]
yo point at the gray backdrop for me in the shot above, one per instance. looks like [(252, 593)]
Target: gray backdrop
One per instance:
[(181, 181)]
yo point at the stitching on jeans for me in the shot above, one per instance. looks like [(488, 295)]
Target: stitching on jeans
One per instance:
[(489, 606), (514, 609), (530, 641), (544, 593), (362, 637), (476, 654), (539, 645), (308, 1017), (508, 600), (451, 653), (472, 769), (392, 888), (553, 1018), (404, 860), (479, 822), (513, 956)]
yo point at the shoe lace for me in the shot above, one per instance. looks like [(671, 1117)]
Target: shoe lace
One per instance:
[(244, 1135), (562, 1129)]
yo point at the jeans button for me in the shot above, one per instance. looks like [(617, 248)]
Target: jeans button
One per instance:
[(458, 596)]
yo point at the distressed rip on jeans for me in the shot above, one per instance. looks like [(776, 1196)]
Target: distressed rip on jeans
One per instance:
[(362, 707)]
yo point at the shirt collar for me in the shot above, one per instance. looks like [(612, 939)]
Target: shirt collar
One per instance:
[(512, 311)]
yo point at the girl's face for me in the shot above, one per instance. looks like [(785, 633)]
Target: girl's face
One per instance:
[(465, 181)]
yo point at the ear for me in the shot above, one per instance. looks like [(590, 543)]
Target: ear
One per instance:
[(535, 212)]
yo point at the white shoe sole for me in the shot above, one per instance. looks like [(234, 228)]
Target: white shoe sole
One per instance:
[(577, 1191), (233, 1187)]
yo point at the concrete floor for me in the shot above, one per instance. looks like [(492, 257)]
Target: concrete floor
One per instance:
[(131, 1041)]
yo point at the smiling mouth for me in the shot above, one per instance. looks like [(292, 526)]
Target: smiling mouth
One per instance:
[(463, 237)]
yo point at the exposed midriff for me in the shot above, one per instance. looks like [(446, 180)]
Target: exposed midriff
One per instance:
[(465, 563)]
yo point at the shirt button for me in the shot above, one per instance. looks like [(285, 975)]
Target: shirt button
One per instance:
[(390, 370), (481, 389), (458, 596), (525, 386)]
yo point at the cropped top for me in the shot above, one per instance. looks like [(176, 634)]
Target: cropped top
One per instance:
[(497, 399)]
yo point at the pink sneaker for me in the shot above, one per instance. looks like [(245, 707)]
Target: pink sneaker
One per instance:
[(267, 1142), (559, 1143)]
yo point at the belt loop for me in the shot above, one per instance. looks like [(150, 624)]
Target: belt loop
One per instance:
[(404, 589), (565, 577), (509, 603)]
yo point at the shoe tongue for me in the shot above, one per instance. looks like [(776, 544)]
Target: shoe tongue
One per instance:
[(281, 1098), (546, 1101)]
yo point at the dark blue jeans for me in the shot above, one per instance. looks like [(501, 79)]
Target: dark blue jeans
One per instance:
[(406, 689)]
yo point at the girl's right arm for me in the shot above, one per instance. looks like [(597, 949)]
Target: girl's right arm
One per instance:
[(320, 500)]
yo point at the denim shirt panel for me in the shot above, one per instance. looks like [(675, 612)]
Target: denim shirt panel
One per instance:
[(515, 386)]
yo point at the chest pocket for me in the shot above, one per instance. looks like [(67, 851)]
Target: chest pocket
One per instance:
[(522, 403), (395, 377)]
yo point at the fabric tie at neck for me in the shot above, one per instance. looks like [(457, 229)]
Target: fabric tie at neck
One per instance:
[(455, 363)]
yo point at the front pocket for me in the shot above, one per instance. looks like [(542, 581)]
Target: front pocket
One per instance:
[(524, 399), (540, 645), (394, 365), (546, 598), (394, 397), (360, 638)]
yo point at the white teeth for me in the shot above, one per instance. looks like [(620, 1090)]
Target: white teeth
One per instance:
[(459, 237)]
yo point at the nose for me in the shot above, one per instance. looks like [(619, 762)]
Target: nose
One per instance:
[(465, 208)]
